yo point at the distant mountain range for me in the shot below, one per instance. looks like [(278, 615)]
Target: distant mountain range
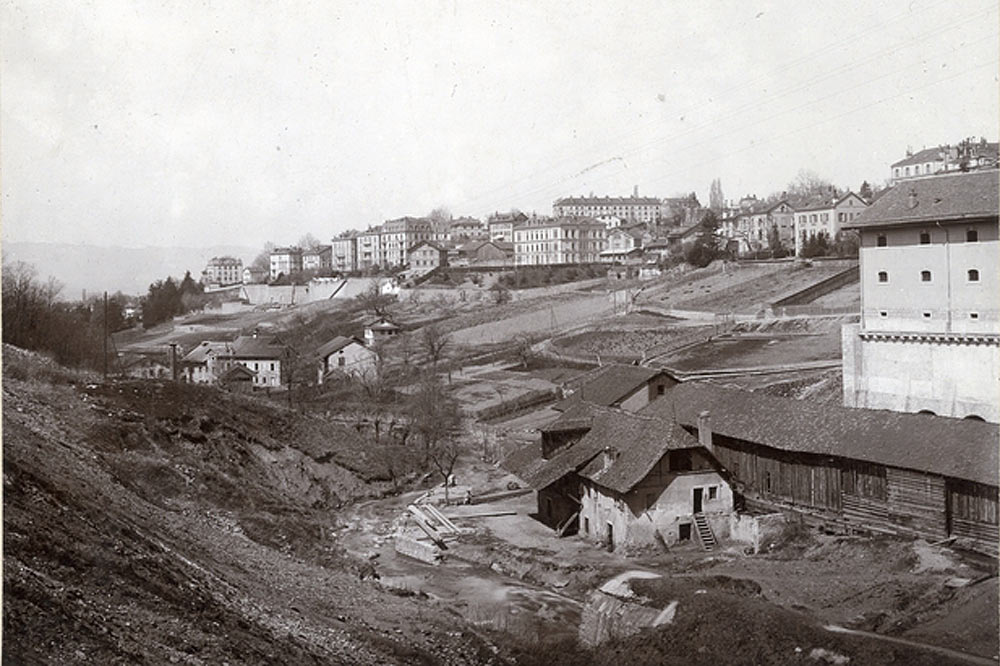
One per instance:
[(126, 269)]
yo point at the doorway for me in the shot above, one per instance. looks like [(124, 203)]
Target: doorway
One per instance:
[(698, 492), (611, 537)]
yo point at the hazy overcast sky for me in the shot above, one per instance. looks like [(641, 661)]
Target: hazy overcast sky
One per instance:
[(181, 123)]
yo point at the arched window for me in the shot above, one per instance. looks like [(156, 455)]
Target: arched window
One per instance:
[(974, 417), (925, 238), (971, 236), (973, 275), (925, 276), (883, 276), (881, 241)]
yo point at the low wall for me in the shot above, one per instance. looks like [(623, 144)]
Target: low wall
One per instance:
[(755, 530), (422, 550), (821, 288), (605, 617)]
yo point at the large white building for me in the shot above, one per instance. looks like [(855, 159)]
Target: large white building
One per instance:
[(929, 335), (633, 208), (544, 242), (222, 271), (965, 155)]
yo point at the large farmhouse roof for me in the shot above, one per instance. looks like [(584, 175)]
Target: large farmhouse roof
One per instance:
[(251, 347), (958, 448), (336, 344), (635, 444), (201, 353), (957, 197), (610, 385)]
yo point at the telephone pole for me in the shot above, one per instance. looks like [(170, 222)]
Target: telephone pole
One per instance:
[(105, 355)]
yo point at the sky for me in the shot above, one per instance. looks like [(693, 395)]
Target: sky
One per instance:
[(201, 123)]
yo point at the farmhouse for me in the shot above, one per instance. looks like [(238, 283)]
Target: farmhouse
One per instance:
[(625, 480), (630, 387), (871, 470), (263, 356), (345, 356), (199, 365)]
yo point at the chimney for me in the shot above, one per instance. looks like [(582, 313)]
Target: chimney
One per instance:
[(705, 430), (608, 458), (912, 200)]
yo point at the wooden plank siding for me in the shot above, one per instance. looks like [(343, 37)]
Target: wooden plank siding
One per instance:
[(865, 495)]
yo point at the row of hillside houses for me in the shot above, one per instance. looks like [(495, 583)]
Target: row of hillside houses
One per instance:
[(637, 459), (263, 362)]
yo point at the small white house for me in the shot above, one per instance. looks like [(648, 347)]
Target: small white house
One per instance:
[(346, 355)]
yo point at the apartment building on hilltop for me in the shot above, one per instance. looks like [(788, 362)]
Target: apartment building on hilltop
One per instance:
[(929, 335), (344, 254), (222, 271), (964, 156), (547, 241), (825, 215), (285, 261)]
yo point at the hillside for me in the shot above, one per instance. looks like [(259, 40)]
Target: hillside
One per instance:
[(157, 523)]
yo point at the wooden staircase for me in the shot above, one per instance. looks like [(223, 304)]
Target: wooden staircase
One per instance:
[(705, 536)]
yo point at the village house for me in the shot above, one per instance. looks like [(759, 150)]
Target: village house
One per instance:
[(624, 245), (625, 480), (222, 271), (380, 329), (682, 237), (145, 366), (824, 215), (426, 256), (318, 259), (199, 365), (487, 253), (344, 253), (929, 333), (546, 242), (849, 469), (345, 356), (628, 387), (285, 261), (500, 226), (967, 155), (264, 356), (254, 275), (238, 378)]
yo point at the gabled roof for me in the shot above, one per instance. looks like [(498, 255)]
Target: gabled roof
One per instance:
[(427, 243), (925, 155), (237, 373), (336, 344), (941, 198), (613, 383), (958, 448), (248, 346), (684, 232), (201, 353), (131, 360), (637, 443), (382, 324)]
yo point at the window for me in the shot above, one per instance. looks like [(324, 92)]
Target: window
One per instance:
[(927, 315), (973, 275), (925, 276), (713, 492), (973, 315), (925, 238), (883, 314), (971, 236), (661, 389), (684, 532), (881, 241), (883, 276), (341, 361)]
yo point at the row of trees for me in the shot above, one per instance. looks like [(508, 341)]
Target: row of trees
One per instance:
[(167, 299), (34, 318)]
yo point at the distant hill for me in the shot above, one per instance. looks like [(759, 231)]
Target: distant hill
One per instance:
[(129, 270)]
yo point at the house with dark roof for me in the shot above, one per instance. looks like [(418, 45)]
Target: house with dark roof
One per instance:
[(929, 334), (145, 365), (344, 356), (262, 355), (426, 256), (853, 469), (824, 215), (626, 480), (199, 365), (964, 156), (629, 387), (379, 329)]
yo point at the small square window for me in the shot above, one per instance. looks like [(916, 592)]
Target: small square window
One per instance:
[(973, 275), (925, 276), (973, 315), (883, 314), (713, 492), (881, 241), (927, 315), (925, 238), (883, 276), (971, 236)]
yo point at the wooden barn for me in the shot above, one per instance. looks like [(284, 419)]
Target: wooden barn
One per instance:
[(921, 475)]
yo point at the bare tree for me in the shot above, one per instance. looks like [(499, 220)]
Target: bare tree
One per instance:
[(439, 214), (809, 183), (434, 344), (435, 419), (309, 242), (373, 300), (263, 260), (524, 351)]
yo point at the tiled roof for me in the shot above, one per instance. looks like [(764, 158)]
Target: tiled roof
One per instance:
[(612, 384), (607, 201), (958, 448), (200, 353), (428, 244), (336, 345), (248, 346), (925, 155), (938, 199), (683, 232), (637, 443), (235, 372)]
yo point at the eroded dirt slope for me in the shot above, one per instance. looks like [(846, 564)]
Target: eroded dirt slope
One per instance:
[(151, 523)]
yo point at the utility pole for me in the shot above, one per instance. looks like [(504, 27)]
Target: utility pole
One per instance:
[(105, 356), (173, 360)]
